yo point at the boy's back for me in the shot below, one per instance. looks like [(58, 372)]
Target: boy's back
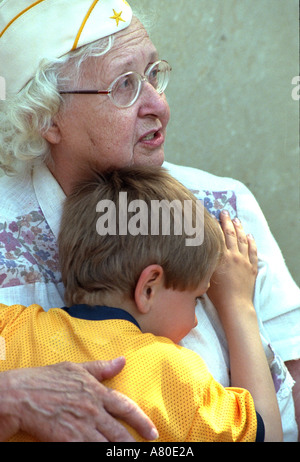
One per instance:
[(170, 383)]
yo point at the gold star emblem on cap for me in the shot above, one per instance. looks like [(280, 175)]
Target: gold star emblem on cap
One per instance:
[(117, 17)]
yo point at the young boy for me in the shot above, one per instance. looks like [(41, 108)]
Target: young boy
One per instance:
[(131, 287)]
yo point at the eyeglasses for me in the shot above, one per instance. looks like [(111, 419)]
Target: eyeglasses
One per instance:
[(125, 89)]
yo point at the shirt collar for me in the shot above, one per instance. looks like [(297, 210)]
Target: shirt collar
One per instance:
[(99, 313), (50, 196)]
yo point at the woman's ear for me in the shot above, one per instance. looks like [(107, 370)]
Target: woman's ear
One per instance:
[(148, 287), (53, 134)]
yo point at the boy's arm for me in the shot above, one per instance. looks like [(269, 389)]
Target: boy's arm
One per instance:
[(231, 291)]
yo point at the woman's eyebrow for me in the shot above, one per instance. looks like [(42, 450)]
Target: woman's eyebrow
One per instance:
[(129, 64)]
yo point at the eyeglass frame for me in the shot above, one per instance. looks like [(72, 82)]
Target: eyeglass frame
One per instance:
[(142, 78)]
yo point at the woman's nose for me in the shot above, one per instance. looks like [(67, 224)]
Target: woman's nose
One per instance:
[(153, 103)]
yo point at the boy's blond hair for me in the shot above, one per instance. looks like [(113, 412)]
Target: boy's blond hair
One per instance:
[(94, 266)]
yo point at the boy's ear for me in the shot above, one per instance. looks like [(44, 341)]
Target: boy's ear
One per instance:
[(148, 287)]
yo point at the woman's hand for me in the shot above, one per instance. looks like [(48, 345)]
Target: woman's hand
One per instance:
[(67, 402)]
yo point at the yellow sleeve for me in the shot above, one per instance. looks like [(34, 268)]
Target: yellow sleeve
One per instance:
[(224, 415), (4, 316), (212, 412), (2, 339), (8, 314), (176, 390), (12, 319)]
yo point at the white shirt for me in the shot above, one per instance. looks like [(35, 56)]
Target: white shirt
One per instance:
[(30, 212)]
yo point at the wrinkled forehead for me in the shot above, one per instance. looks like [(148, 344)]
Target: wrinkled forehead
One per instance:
[(134, 35), (132, 44), (132, 50)]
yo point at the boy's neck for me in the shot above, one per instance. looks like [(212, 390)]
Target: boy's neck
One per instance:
[(118, 301), (124, 303)]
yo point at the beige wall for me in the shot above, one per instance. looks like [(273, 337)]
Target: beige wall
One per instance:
[(230, 96)]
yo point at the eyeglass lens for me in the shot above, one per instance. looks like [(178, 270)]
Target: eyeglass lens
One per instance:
[(126, 88)]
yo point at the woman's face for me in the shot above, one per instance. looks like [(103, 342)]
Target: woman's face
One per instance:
[(92, 129)]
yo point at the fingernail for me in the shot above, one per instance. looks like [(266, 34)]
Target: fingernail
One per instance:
[(225, 212), (117, 361), (237, 220), (154, 434)]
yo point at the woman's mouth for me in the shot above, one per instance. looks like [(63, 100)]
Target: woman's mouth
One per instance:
[(149, 137), (153, 139)]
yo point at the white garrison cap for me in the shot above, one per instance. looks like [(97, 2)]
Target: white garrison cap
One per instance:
[(33, 30)]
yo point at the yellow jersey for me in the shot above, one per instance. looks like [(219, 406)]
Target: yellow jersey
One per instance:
[(170, 383)]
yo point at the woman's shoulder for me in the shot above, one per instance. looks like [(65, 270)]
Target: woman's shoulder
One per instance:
[(13, 190), (195, 178), (17, 199)]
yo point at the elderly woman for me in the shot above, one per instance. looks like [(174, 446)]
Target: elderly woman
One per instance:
[(89, 91)]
